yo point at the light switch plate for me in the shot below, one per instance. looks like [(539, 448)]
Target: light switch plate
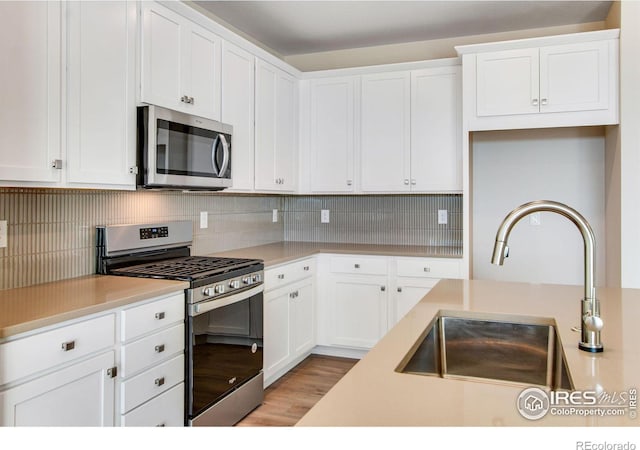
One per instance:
[(443, 217), (3, 233), (324, 216), (204, 219), (274, 216)]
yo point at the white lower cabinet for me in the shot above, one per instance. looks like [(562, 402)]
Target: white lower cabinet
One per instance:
[(81, 394), (408, 292), (77, 373), (152, 363), (289, 317)]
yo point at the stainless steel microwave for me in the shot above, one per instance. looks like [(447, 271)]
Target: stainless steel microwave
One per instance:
[(181, 151)]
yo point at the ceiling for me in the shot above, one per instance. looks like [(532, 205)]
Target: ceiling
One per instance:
[(299, 27)]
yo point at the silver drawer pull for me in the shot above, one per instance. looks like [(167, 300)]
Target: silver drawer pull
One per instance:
[(159, 315), (160, 424), (305, 268), (357, 266), (383, 288), (159, 348), (159, 381), (66, 346), (427, 269), (280, 276), (399, 289)]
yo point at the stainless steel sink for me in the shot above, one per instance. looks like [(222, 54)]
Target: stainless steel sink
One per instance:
[(493, 348)]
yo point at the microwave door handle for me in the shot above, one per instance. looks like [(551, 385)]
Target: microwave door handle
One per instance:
[(225, 156), (214, 152)]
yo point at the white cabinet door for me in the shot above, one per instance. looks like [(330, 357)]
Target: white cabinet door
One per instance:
[(302, 318), (30, 45), (359, 312), (507, 82), (275, 129), (333, 133), (201, 80), (277, 336), (101, 110), (408, 292), (79, 395), (180, 63), (574, 77), (238, 111), (436, 147), (385, 132)]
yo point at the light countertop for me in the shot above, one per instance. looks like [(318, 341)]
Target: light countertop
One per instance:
[(282, 252), (28, 308), (373, 394)]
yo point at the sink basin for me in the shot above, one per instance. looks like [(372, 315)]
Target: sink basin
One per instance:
[(491, 348)]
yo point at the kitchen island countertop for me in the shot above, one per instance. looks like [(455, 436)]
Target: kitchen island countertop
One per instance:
[(372, 393)]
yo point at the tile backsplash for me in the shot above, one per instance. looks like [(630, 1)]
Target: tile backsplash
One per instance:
[(51, 232)]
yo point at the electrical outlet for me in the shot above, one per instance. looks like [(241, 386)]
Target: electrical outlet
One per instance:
[(3, 233), (204, 219), (443, 217), (274, 216), (324, 216), (534, 219)]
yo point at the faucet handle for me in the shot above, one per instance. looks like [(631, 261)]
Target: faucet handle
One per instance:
[(506, 251), (592, 323)]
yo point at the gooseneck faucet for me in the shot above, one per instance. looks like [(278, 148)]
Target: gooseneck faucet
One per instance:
[(590, 312)]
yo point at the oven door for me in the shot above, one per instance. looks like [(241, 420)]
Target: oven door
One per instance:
[(225, 343), (180, 150)]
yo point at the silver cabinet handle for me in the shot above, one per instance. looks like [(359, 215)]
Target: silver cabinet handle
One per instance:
[(406, 181), (534, 102), (56, 164), (160, 424), (159, 348), (544, 101), (159, 381), (413, 182), (399, 289), (66, 346), (159, 315), (349, 182), (305, 268), (356, 266), (427, 269), (191, 100), (383, 288), (184, 99), (280, 276)]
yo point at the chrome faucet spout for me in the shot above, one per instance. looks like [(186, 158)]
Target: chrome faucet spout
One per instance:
[(590, 317)]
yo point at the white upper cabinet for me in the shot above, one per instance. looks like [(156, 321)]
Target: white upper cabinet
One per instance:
[(238, 111), (554, 81), (276, 134), (180, 63), (30, 126), (333, 134), (385, 133), (101, 114), (436, 130)]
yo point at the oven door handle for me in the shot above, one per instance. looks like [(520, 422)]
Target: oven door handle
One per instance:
[(206, 306)]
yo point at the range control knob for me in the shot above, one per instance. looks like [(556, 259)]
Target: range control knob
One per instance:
[(219, 288), (246, 280), (256, 278), (208, 292), (235, 284)]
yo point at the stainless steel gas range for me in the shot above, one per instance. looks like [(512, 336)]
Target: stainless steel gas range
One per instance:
[(224, 314)]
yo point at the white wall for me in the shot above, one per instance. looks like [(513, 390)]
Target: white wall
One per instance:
[(510, 168)]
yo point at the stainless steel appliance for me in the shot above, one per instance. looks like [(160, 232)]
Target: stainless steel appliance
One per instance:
[(181, 151), (224, 314)]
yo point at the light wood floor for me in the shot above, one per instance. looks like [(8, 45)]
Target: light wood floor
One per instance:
[(289, 398)]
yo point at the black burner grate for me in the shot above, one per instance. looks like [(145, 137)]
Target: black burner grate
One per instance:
[(189, 268)]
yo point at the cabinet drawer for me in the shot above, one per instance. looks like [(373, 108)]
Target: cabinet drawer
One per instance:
[(288, 273), (359, 265), (152, 349), (428, 267), (166, 410), (43, 351), (152, 316), (151, 383)]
